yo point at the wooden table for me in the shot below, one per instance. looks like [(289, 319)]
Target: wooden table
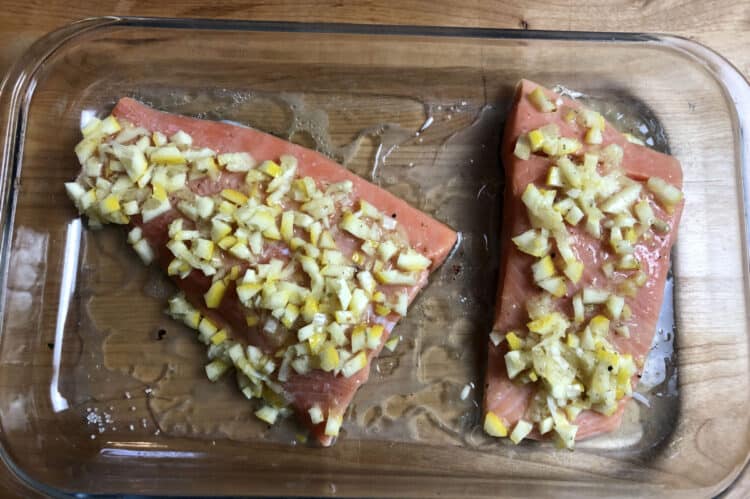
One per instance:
[(722, 25)]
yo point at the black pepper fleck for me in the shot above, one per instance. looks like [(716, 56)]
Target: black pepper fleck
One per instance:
[(160, 334)]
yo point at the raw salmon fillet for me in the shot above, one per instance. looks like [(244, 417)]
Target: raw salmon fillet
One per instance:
[(329, 392), (510, 400)]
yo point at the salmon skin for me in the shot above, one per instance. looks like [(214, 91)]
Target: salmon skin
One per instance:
[(623, 260), (293, 270)]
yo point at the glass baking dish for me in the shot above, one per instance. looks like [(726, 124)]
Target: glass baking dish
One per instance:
[(101, 393)]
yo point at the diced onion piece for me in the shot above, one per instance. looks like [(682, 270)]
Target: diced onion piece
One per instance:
[(356, 226), (359, 338), (203, 248), (532, 242), (387, 249), (554, 286), (333, 425), (204, 206), (394, 277), (495, 338), (354, 365), (219, 337), (514, 342), (367, 281), (644, 213), (540, 101), (86, 148), (153, 208), (144, 251), (633, 139), (628, 262), (412, 261), (623, 331), (241, 251), (392, 343), (287, 226), (539, 205), (516, 361), (215, 294), (75, 192), (614, 306), (566, 204), (569, 172), (566, 145), (216, 369), (667, 194), (520, 431), (612, 155), (622, 200), (374, 335), (219, 230), (206, 329), (545, 426), (536, 140), (316, 414), (236, 161), (135, 235), (180, 139), (267, 414), (574, 215), (589, 118), (494, 426), (132, 160), (640, 278), (329, 357), (167, 155), (599, 326), (622, 247), (91, 126), (304, 333), (109, 126), (337, 333), (593, 136), (523, 148), (234, 196), (554, 178), (578, 309), (574, 271), (188, 209), (402, 301), (358, 302), (368, 210), (594, 296), (543, 269)]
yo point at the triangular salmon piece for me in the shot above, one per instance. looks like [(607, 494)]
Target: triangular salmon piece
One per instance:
[(542, 128), (293, 269)]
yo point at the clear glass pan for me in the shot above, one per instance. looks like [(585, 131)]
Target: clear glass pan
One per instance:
[(95, 400)]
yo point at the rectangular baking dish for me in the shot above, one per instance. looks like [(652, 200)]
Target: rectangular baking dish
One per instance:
[(101, 393)]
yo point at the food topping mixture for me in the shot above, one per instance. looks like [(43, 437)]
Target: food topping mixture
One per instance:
[(318, 271), (564, 350)]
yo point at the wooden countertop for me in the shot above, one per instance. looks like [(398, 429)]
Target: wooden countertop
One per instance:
[(722, 25)]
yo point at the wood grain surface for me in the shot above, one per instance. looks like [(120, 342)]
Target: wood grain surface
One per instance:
[(722, 25)]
